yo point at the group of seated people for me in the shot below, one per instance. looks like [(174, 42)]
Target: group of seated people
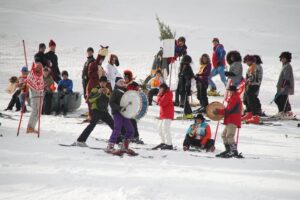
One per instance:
[(20, 92)]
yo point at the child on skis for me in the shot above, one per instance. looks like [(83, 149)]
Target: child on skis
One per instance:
[(48, 91), (64, 89), (99, 99), (165, 102), (119, 121), (154, 83), (232, 121), (202, 81), (253, 82), (198, 135), (285, 86)]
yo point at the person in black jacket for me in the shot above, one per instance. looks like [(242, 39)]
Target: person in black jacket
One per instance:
[(85, 75), (52, 57), (41, 56), (184, 84)]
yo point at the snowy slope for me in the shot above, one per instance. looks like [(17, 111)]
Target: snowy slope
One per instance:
[(32, 168)]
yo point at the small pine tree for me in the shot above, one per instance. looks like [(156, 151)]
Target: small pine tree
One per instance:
[(165, 30)]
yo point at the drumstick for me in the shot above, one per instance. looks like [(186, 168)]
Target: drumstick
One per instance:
[(124, 108)]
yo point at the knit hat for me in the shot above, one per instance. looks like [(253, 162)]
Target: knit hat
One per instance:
[(24, 69), (90, 49), (199, 116), (216, 40), (103, 79), (42, 45), (52, 43), (118, 78), (232, 88), (64, 73), (128, 74)]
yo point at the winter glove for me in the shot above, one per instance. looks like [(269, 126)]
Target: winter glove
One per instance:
[(103, 51), (229, 74)]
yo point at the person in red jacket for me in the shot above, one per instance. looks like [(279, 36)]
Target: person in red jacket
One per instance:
[(93, 74), (198, 135), (165, 102), (232, 120)]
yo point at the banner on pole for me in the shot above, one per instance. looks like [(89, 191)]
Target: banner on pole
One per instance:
[(168, 48)]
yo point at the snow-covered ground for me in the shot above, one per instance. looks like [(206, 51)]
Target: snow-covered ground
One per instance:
[(32, 168)]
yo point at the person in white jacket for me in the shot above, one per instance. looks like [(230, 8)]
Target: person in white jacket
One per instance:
[(111, 70)]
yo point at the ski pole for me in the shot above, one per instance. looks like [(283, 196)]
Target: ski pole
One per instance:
[(39, 114), (25, 53), (237, 136), (22, 111)]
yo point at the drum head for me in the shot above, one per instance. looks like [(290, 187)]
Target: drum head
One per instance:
[(210, 109), (131, 101)]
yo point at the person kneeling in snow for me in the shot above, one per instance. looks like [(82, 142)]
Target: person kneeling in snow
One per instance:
[(198, 135), (232, 121)]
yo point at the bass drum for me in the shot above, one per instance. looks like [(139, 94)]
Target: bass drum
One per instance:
[(134, 104), (210, 109)]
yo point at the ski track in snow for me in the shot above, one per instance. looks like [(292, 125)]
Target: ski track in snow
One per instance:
[(38, 168)]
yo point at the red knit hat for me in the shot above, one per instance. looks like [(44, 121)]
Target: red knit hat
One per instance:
[(52, 43)]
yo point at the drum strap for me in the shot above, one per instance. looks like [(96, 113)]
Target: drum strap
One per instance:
[(121, 91)]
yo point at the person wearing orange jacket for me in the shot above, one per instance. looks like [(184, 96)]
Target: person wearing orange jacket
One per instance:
[(166, 115), (232, 120), (198, 135)]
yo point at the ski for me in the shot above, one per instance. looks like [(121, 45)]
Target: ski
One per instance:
[(208, 156)]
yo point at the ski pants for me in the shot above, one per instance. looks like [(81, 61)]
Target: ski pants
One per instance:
[(189, 141), (47, 105), (152, 93), (214, 72), (119, 122), (97, 115), (251, 100), (164, 131), (202, 93), (229, 133), (15, 100), (36, 106), (283, 103)]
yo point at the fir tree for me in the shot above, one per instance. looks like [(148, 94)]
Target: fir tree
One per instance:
[(165, 30)]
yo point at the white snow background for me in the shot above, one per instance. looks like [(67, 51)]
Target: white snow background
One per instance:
[(32, 168)]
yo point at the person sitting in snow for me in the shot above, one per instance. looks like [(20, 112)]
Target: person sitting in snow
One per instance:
[(99, 99), (119, 121), (232, 121), (166, 115), (218, 62), (20, 87), (12, 88), (48, 92), (198, 135), (285, 86), (64, 89), (202, 81), (154, 83), (253, 82)]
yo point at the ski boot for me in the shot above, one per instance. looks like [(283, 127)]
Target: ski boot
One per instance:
[(158, 146), (247, 116), (125, 148), (188, 116), (167, 147), (79, 144), (227, 149)]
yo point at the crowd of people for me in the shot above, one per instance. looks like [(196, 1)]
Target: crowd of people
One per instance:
[(104, 86)]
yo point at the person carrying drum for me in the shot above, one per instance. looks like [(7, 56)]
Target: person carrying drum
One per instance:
[(198, 135), (119, 121), (165, 102), (232, 121), (132, 85), (99, 99)]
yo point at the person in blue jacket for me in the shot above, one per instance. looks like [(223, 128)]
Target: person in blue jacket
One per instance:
[(218, 62), (65, 89)]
